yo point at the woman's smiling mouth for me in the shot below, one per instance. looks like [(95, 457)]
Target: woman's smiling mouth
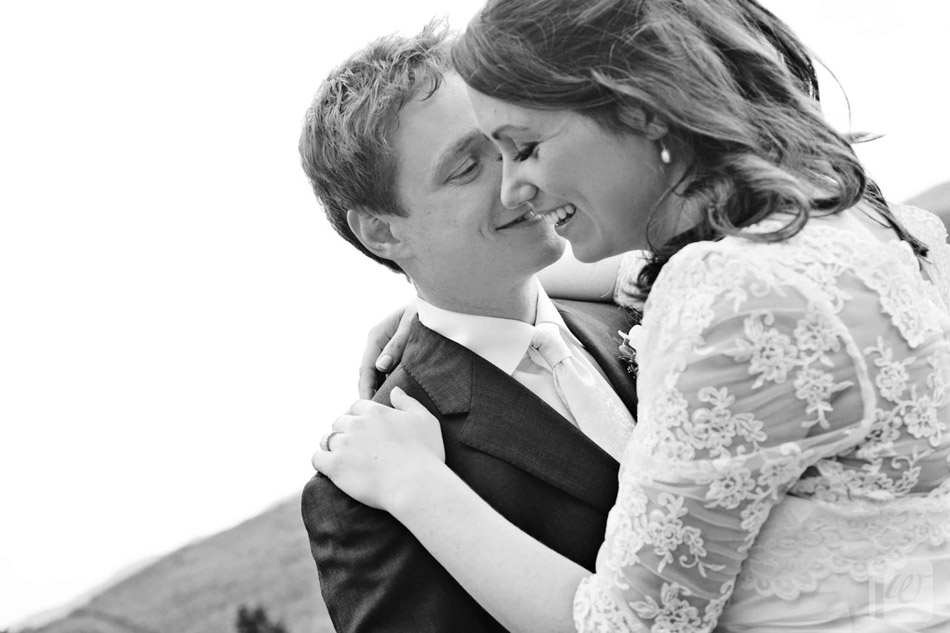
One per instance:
[(560, 216), (556, 217)]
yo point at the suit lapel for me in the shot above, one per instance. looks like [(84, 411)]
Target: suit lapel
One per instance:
[(511, 423), (442, 367), (508, 421)]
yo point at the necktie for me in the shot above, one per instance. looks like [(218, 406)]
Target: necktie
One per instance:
[(595, 407)]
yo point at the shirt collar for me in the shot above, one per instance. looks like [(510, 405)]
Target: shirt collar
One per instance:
[(502, 342), (548, 313)]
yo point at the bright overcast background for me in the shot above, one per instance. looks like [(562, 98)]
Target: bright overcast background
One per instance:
[(178, 323)]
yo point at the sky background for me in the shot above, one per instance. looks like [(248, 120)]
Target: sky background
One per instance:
[(178, 322)]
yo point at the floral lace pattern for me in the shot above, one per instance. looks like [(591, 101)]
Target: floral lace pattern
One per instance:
[(794, 425)]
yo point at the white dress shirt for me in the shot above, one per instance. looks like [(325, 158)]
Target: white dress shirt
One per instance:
[(504, 343)]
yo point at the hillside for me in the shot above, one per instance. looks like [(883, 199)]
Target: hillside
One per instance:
[(936, 199), (198, 588)]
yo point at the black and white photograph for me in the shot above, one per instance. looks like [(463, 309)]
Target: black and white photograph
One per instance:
[(475, 316)]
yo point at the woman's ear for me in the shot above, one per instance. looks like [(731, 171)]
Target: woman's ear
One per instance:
[(375, 232), (650, 126), (655, 129)]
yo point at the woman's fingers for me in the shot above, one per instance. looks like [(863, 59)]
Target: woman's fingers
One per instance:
[(424, 426), (327, 439), (392, 351), (369, 377), (322, 462), (334, 439), (404, 402), (342, 423), (361, 407), (374, 452), (383, 351)]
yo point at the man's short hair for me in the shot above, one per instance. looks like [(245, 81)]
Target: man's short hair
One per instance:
[(346, 141)]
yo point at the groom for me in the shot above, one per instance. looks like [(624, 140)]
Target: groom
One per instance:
[(392, 151)]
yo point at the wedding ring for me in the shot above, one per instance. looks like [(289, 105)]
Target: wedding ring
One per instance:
[(325, 440)]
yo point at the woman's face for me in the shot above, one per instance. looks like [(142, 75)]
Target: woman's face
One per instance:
[(599, 187)]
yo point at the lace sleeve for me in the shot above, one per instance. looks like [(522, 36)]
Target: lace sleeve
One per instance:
[(625, 288), (747, 379), (928, 228)]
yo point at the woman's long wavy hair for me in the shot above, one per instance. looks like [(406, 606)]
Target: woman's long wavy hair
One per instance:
[(735, 87)]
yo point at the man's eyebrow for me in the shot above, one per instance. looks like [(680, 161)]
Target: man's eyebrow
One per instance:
[(462, 144)]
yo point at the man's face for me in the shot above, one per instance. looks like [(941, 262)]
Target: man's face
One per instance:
[(463, 240)]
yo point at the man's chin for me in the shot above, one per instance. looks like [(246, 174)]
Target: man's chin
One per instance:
[(550, 256)]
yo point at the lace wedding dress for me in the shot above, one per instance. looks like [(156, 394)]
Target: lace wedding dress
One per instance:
[(789, 470)]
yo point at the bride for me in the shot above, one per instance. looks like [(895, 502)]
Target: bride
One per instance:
[(789, 469)]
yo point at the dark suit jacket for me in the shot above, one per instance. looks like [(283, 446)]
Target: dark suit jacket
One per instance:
[(515, 451)]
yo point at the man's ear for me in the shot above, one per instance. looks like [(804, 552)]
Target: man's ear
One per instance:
[(375, 232)]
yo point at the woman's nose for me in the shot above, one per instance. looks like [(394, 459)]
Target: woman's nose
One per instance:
[(515, 190)]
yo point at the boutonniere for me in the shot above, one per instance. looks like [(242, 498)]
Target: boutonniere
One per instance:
[(632, 341)]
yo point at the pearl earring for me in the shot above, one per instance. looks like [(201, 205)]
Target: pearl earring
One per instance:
[(664, 153)]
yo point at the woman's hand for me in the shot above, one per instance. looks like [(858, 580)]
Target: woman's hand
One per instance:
[(379, 455), (384, 346)]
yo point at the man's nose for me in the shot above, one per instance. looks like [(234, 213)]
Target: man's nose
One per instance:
[(515, 189)]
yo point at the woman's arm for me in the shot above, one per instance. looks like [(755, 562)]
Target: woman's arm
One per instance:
[(568, 278), (393, 459), (523, 584)]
